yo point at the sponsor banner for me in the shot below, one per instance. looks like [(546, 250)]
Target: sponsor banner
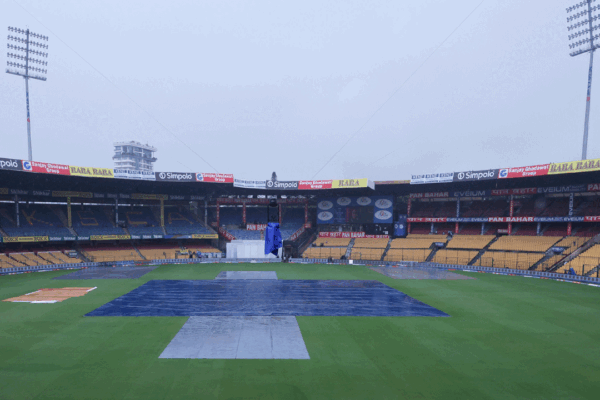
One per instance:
[(61, 238), (524, 172), (351, 183), (432, 178), (178, 197), (511, 219), (563, 189), (508, 192), (430, 195), (249, 184), (351, 235), (45, 168), (315, 185), (256, 227), (59, 193), (400, 226), (175, 176), (297, 234), (205, 236), (91, 172), (355, 210), (467, 219), (131, 174), (146, 196), (82, 238), (559, 219), (45, 193), (575, 166), (469, 176), (472, 193), (593, 187), (9, 163), (19, 192), (3, 190), (25, 239), (427, 219), (282, 185), (404, 182), (209, 177), (110, 237), (586, 219), (226, 234)]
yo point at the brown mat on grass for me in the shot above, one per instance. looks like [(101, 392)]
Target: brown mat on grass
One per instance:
[(51, 295)]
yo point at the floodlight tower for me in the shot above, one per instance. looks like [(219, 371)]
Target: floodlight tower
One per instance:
[(30, 48)]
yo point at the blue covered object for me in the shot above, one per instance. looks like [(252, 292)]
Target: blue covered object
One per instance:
[(273, 240), (245, 297)]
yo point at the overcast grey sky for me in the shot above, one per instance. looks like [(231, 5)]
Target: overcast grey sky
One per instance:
[(273, 85)]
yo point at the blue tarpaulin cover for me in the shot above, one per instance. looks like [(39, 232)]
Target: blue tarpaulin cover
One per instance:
[(273, 240)]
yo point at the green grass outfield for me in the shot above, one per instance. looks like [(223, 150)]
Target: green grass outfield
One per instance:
[(508, 337)]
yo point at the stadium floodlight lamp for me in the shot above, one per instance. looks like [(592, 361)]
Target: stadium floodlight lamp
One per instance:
[(584, 37), (25, 70)]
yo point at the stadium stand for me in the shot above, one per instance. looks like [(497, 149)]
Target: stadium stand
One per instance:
[(182, 221), (469, 242), (407, 255), (141, 221), (535, 243), (366, 253), (512, 260), (462, 257), (370, 243), (417, 241), (90, 221), (332, 242), (35, 220), (105, 254), (324, 252), (585, 262)]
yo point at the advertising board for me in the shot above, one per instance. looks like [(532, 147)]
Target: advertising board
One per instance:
[(355, 210), (45, 168), (575, 166), (110, 237), (241, 183), (470, 176), (315, 185), (210, 177), (432, 178), (9, 163), (136, 175), (91, 172), (351, 235), (175, 176), (524, 172)]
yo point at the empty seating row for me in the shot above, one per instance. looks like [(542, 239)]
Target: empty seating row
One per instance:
[(116, 254), (460, 257), (366, 254), (419, 243), (407, 255), (469, 242), (324, 252), (524, 243), (513, 260), (332, 242), (370, 243)]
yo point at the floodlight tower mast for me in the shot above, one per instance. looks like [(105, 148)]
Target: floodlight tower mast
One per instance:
[(25, 70)]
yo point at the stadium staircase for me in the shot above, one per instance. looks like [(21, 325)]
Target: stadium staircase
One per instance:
[(16, 262), (482, 251), (201, 222), (349, 249), (386, 249), (593, 272), (2, 233), (549, 254), (63, 218), (432, 254), (156, 214), (138, 251), (109, 215), (586, 246)]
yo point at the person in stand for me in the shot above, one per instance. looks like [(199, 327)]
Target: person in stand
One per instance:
[(198, 254)]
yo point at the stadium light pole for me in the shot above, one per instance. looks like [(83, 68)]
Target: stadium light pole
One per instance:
[(27, 43)]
